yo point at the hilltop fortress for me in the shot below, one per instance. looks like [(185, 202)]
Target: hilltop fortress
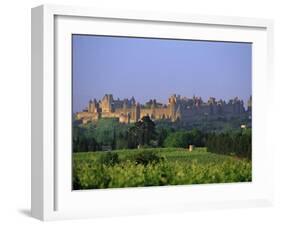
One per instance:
[(177, 108)]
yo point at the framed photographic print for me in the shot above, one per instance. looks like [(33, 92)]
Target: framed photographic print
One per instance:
[(137, 112)]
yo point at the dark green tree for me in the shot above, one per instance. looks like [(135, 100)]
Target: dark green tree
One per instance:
[(146, 128), (141, 133)]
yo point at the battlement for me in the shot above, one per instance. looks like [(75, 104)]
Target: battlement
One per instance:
[(177, 108)]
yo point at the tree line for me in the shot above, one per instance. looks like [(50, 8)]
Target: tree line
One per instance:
[(144, 133), (238, 144), (110, 134)]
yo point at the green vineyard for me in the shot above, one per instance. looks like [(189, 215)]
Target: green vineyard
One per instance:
[(156, 167)]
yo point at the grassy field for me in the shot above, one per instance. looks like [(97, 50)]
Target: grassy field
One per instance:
[(166, 166)]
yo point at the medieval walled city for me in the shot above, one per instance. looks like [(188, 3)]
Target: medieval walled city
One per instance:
[(178, 108)]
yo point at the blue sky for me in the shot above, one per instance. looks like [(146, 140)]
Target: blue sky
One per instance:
[(157, 68)]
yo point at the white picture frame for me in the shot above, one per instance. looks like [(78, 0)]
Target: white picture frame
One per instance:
[(52, 197)]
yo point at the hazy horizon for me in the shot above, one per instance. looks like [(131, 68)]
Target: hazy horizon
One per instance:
[(157, 68)]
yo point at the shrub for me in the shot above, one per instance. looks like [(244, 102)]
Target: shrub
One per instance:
[(146, 157), (109, 158), (178, 139), (184, 138)]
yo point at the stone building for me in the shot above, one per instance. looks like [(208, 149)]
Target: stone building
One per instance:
[(177, 108)]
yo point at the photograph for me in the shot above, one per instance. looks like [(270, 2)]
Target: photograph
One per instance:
[(152, 111)]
